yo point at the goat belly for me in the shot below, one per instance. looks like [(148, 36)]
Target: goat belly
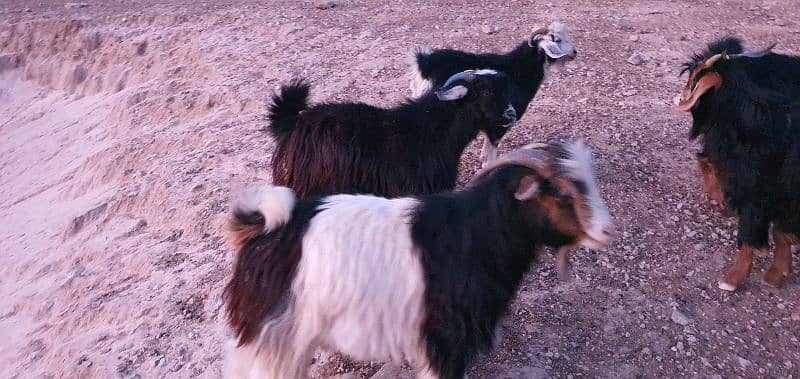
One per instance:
[(359, 283)]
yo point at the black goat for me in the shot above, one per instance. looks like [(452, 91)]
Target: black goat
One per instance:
[(526, 65), (751, 137), (413, 148)]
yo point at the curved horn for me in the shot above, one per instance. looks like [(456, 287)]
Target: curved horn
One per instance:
[(710, 62), (467, 75), (533, 158), (753, 54), (537, 32)]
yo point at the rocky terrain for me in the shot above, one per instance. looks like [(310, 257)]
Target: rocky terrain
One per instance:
[(126, 129)]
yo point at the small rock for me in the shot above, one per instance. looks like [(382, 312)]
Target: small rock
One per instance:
[(27, 10), (84, 361), (325, 5), (487, 29), (75, 5), (369, 33), (781, 306), (679, 318), (776, 324), (48, 305), (633, 38), (637, 59), (460, 19), (744, 363), (133, 193), (629, 93), (684, 38), (795, 316), (788, 364)]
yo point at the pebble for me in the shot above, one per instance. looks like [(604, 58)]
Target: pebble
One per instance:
[(75, 5), (679, 318), (781, 306), (325, 5), (637, 59), (48, 305), (744, 363), (795, 316), (460, 19), (633, 38), (629, 93), (487, 29)]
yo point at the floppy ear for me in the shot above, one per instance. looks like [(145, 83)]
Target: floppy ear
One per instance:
[(453, 93), (527, 188), (691, 96), (551, 48)]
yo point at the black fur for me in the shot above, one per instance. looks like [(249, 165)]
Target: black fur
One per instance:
[(413, 148), (524, 66), (751, 133), (264, 270), (475, 248)]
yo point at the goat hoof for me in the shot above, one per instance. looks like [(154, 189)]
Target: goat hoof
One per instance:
[(726, 286), (774, 277)]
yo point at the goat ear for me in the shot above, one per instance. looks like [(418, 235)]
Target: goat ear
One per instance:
[(527, 188), (453, 93), (691, 96), (551, 49)]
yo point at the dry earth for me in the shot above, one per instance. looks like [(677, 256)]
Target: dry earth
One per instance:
[(127, 127)]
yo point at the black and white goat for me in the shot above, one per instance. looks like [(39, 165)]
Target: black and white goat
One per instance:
[(526, 65), (742, 105), (424, 279), (413, 148)]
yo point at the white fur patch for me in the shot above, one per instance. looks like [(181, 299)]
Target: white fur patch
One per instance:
[(417, 84), (485, 71), (359, 289), (579, 167), (274, 203)]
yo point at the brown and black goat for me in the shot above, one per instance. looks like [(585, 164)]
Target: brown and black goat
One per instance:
[(751, 141), (777, 72)]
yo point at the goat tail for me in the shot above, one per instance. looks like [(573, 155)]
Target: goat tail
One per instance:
[(419, 62), (259, 210), (286, 105)]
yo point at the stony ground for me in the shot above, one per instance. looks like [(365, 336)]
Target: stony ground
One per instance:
[(126, 130)]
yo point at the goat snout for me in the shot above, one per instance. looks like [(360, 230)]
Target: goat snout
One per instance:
[(510, 115)]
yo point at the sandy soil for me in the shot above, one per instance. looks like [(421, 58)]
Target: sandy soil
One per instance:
[(126, 129)]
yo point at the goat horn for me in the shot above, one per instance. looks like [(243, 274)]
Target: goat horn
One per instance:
[(467, 75), (537, 32), (535, 145), (753, 54), (710, 62), (532, 158)]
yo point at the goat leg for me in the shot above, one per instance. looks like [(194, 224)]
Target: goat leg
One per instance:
[(711, 181), (562, 263), (488, 152), (782, 261), (740, 270)]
